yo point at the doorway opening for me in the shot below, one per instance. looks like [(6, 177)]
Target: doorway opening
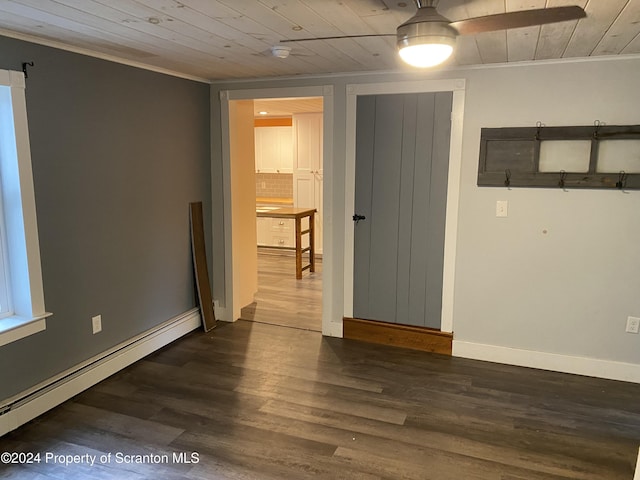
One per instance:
[(286, 180)]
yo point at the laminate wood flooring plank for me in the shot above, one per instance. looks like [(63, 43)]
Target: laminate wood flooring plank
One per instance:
[(506, 433), (248, 449), (74, 437), (20, 475), (198, 398), (87, 441), (423, 456), (281, 298), (261, 388), (280, 365), (113, 386), (302, 372), (362, 409), (122, 404), (124, 425), (432, 467), (411, 441)]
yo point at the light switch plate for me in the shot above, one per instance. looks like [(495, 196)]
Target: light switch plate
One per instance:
[(96, 322), (502, 208)]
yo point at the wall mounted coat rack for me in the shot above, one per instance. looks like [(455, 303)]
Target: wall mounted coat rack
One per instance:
[(597, 156)]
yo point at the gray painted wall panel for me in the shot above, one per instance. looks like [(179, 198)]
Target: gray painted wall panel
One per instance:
[(384, 208), (118, 153), (437, 207), (421, 184), (364, 146), (405, 205)]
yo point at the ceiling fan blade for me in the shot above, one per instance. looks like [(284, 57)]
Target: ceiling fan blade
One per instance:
[(523, 18), (337, 37)]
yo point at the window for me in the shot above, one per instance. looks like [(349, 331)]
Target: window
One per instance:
[(22, 310)]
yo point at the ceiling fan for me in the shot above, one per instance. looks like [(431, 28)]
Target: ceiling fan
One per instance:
[(281, 51), (427, 39)]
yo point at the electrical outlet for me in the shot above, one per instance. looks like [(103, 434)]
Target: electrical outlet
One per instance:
[(633, 324), (96, 322)]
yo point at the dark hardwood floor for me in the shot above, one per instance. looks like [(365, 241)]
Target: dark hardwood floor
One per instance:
[(283, 300), (258, 401)]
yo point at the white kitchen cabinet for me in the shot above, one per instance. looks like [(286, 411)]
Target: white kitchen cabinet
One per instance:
[(307, 143), (307, 167), (275, 232), (282, 232), (274, 149), (262, 230)]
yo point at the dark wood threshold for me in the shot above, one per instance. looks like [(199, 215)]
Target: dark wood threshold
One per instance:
[(406, 336)]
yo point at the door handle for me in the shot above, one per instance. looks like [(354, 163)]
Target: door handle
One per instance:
[(357, 218)]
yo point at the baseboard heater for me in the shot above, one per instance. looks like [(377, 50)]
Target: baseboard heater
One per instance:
[(26, 406)]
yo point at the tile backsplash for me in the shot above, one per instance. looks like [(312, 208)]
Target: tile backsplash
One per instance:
[(274, 185)]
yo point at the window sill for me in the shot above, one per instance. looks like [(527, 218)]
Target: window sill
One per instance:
[(14, 328)]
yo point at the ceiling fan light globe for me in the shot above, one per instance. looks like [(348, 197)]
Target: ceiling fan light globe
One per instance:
[(426, 40), (425, 55)]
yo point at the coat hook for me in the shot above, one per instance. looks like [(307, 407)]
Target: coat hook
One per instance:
[(563, 176), (622, 179), (24, 68), (507, 179), (597, 125)]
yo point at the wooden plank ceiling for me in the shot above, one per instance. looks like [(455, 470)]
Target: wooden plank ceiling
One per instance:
[(231, 39)]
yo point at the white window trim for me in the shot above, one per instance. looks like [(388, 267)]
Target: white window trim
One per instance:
[(6, 307), (18, 199)]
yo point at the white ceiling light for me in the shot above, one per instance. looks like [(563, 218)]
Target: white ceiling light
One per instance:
[(426, 39)]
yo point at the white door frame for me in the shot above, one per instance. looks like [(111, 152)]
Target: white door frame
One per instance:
[(457, 86), (326, 92)]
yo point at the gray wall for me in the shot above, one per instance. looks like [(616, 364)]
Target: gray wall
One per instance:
[(118, 153), (567, 291), (564, 295)]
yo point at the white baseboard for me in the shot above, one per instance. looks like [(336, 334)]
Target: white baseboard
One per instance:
[(591, 367), (334, 329), (222, 313), (51, 393)]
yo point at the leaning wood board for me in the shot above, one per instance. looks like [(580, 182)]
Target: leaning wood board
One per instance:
[(200, 267)]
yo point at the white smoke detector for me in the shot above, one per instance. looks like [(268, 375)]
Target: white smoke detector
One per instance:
[(280, 51)]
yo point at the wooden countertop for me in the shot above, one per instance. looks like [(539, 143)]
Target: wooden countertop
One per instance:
[(274, 200), (287, 212)]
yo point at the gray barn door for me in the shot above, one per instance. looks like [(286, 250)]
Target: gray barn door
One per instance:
[(402, 161)]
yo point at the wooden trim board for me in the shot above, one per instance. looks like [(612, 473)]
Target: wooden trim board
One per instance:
[(406, 336), (200, 266)]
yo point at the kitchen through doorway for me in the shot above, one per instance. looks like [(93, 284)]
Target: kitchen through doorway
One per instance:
[(288, 178)]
